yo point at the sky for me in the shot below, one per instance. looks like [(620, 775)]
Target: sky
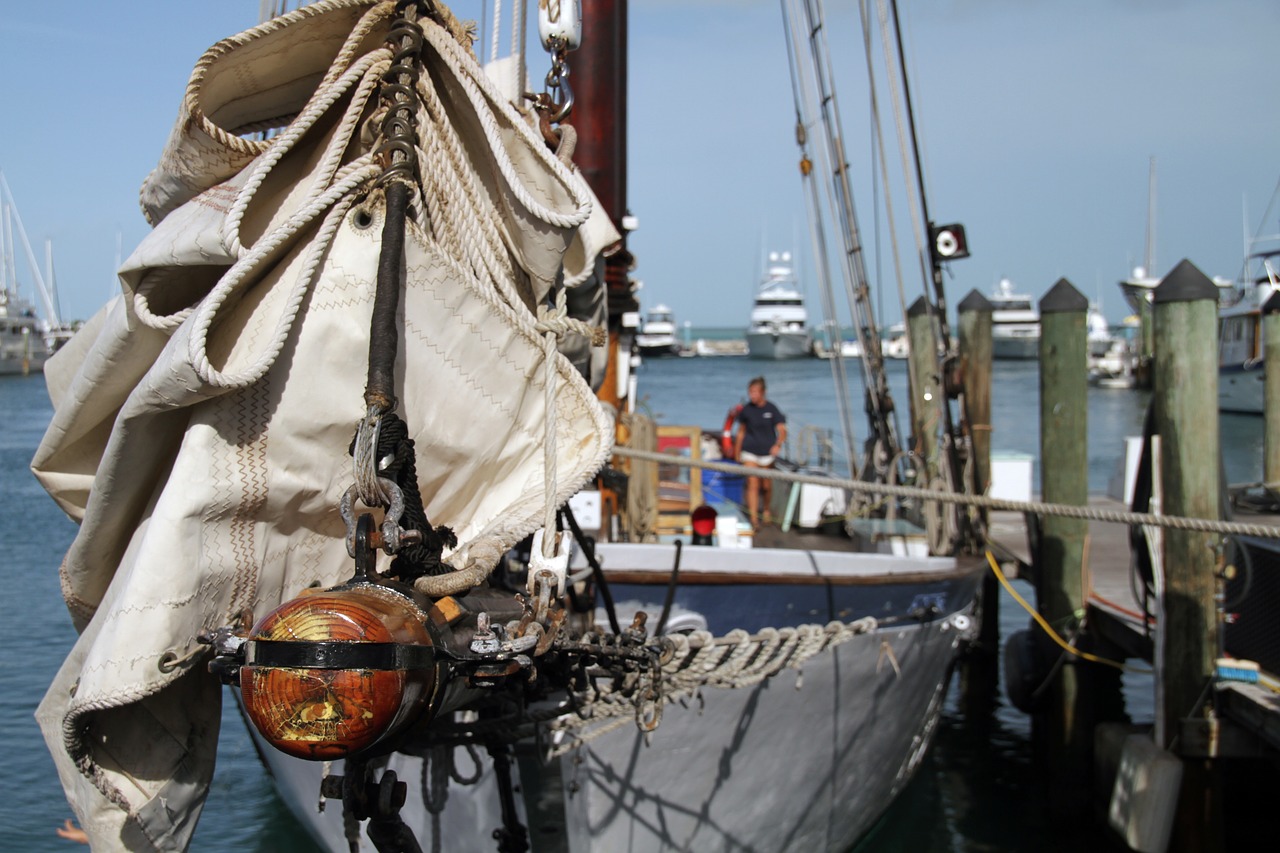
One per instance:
[(1037, 124)]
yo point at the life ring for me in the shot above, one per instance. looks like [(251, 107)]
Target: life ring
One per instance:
[(726, 437)]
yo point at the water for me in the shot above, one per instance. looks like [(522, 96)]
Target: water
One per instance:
[(977, 790)]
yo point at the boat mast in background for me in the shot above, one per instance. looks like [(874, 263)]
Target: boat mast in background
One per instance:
[(1149, 255), (48, 298), (813, 85), (816, 105)]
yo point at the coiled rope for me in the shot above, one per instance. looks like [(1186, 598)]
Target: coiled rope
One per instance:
[(700, 660)]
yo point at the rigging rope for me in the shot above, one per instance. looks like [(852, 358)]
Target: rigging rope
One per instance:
[(1169, 522)]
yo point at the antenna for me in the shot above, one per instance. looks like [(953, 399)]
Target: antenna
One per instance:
[(1150, 255)]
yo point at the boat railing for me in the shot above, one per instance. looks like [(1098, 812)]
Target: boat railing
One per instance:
[(1038, 508)]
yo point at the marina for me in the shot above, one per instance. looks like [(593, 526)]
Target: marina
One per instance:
[(382, 520), (979, 786)]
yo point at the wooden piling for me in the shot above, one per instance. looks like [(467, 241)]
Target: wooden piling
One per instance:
[(1185, 406), (1064, 478), (975, 365), (980, 676), (926, 385), (1271, 389), (1147, 343)]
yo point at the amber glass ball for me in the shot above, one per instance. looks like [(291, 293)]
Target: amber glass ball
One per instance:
[(325, 714)]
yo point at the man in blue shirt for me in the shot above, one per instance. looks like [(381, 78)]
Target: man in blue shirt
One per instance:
[(762, 429)]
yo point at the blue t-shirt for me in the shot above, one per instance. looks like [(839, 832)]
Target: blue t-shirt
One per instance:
[(761, 425)]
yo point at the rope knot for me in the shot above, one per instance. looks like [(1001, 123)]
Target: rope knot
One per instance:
[(556, 321)]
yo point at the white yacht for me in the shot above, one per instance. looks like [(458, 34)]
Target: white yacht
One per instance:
[(895, 344), (1137, 289), (779, 323), (1015, 323), (22, 342), (1240, 338), (657, 335)]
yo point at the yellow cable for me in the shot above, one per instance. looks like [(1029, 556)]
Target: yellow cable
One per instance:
[(1048, 629)]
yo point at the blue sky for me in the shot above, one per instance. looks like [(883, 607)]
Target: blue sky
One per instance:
[(1037, 121)]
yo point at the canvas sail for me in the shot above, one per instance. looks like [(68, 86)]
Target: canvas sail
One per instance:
[(202, 418)]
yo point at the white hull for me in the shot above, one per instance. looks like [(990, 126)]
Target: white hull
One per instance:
[(1022, 347), (779, 345), (659, 347), (16, 365), (1015, 323), (1240, 390), (782, 764)]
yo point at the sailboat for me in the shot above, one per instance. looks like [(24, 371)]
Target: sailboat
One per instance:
[(25, 337), (1139, 286), (396, 585)]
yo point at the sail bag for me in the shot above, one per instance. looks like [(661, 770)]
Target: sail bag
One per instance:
[(202, 418)]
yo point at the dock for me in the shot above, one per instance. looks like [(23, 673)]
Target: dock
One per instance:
[(1115, 616), (1192, 596), (1136, 784)]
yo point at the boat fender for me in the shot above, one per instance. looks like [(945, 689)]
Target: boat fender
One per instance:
[(1027, 665), (726, 435)]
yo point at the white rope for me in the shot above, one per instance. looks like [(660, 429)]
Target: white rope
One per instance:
[(879, 490), (367, 71), (360, 173), (481, 91), (554, 324), (463, 220), (517, 43), (700, 660), (497, 28)]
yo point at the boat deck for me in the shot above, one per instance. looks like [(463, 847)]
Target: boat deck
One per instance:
[(1116, 614)]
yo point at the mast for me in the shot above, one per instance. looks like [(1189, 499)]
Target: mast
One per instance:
[(882, 444), (600, 117), (42, 289), (935, 264), (946, 242)]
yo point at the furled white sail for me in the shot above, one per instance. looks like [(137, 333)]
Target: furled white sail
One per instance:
[(202, 419)]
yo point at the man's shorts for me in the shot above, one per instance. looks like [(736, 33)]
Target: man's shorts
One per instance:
[(762, 461)]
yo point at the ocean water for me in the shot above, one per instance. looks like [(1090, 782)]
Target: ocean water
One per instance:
[(977, 790)]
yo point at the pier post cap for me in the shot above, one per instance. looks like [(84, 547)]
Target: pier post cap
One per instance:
[(1063, 298), (919, 308), (1184, 283), (975, 303), (1272, 305)]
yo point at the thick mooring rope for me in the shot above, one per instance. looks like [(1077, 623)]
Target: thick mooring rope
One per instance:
[(1171, 522), (699, 660)]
